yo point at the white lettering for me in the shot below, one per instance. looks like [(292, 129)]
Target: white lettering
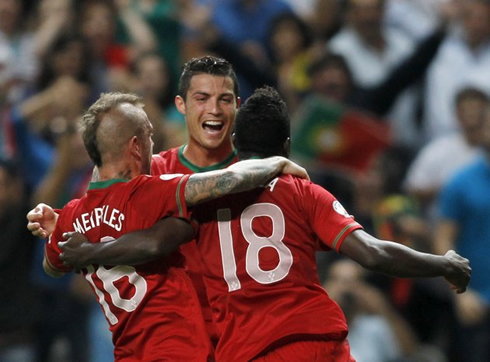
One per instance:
[(85, 221), (118, 227), (113, 218), (97, 217), (77, 226), (273, 183)]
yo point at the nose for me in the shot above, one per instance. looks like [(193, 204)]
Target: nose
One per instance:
[(214, 107)]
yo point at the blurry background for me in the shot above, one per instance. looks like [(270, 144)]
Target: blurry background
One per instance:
[(387, 99)]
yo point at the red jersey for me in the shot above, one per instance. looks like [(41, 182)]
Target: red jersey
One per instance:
[(173, 161), (259, 265), (152, 309)]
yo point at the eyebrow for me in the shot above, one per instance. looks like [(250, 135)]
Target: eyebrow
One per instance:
[(203, 93)]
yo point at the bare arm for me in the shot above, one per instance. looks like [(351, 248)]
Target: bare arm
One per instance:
[(397, 260), (242, 176), (142, 36), (130, 249)]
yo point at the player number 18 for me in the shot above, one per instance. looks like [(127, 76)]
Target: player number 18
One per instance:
[(255, 244)]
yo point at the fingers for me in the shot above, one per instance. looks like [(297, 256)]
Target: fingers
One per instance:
[(34, 216), (36, 230), (33, 226), (68, 234)]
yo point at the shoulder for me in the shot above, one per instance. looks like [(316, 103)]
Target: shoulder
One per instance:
[(297, 189), (72, 205), (163, 161), (463, 178), (166, 155), (166, 178), (438, 147)]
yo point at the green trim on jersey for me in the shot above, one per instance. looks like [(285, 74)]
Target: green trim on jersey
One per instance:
[(177, 196), (196, 169), (339, 236), (104, 184)]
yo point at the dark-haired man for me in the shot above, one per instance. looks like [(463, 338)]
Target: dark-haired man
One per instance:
[(258, 254), (258, 251)]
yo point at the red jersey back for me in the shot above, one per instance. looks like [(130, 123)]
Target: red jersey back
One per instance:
[(173, 161), (152, 308), (260, 268)]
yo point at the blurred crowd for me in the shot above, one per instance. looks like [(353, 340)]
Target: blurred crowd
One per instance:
[(391, 113)]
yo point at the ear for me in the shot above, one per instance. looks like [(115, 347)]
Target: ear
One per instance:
[(180, 104), (287, 146), (233, 139), (135, 148)]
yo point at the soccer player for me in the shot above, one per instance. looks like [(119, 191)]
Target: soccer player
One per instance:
[(258, 254), (152, 308), (208, 97)]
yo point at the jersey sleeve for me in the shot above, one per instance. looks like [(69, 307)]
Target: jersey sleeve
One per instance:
[(329, 219), (162, 196)]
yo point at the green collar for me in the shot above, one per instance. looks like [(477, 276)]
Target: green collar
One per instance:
[(196, 169), (104, 184)]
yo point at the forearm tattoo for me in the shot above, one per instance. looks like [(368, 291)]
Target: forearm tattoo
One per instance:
[(211, 185)]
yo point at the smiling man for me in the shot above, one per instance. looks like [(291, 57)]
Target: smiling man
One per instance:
[(208, 97)]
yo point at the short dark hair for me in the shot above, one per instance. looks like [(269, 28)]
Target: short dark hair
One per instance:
[(93, 116), (206, 65), (470, 93), (262, 124)]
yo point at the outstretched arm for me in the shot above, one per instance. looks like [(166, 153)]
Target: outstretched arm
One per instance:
[(239, 177), (129, 249), (397, 260)]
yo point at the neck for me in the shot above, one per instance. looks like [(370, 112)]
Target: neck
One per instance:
[(116, 171), (204, 157)]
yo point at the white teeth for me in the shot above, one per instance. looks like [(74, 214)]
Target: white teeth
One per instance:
[(213, 123)]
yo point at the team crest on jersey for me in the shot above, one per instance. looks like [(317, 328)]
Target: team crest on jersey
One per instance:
[(337, 206), (170, 176)]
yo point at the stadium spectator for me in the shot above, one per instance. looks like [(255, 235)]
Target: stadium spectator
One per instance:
[(464, 211), (377, 332), (153, 82), (440, 158), (372, 50), (462, 61)]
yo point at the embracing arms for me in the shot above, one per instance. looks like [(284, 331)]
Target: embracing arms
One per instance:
[(135, 248), (239, 177)]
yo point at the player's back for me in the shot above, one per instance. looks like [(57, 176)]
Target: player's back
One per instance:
[(152, 308), (260, 269)]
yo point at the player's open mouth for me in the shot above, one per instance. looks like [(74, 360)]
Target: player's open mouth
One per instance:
[(213, 126)]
